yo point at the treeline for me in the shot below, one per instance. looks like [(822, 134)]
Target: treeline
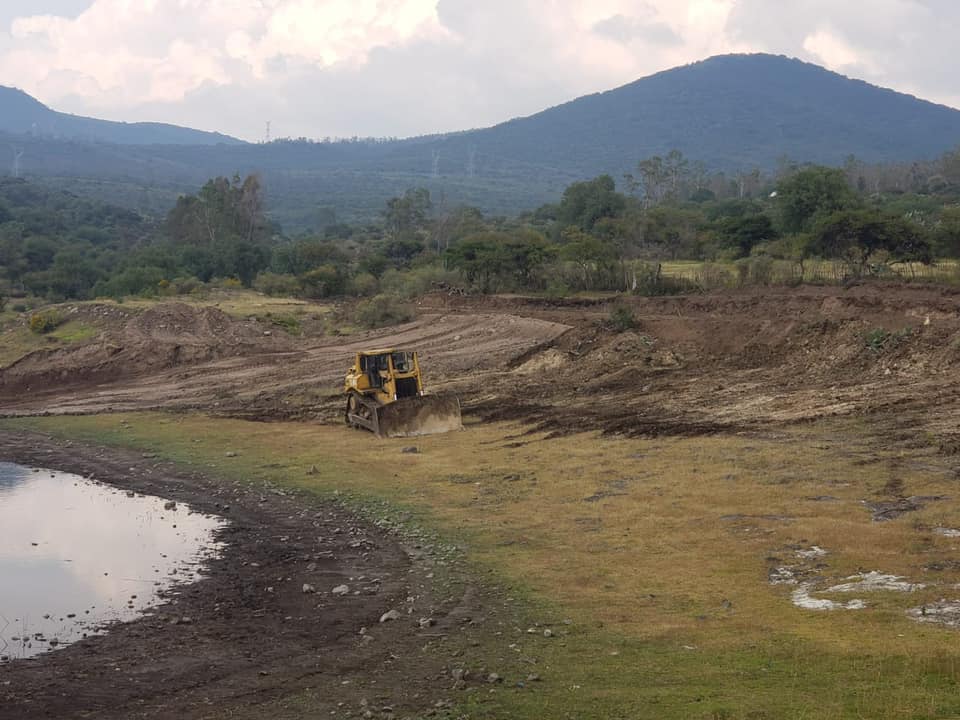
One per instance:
[(597, 237)]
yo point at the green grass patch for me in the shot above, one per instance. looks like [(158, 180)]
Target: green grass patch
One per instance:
[(670, 612)]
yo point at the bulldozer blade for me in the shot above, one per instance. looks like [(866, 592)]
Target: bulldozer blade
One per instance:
[(427, 415)]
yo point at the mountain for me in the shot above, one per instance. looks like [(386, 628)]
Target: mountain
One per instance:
[(732, 112), (22, 114)]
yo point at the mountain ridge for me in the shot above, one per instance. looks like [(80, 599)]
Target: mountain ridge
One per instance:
[(733, 113), (23, 114)]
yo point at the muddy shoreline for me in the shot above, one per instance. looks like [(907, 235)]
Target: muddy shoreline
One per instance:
[(264, 633)]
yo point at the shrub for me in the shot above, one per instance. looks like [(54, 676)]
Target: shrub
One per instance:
[(622, 319), (382, 310), (19, 308), (415, 282), (186, 285), (879, 340), (364, 284), (45, 321), (288, 323), (277, 285)]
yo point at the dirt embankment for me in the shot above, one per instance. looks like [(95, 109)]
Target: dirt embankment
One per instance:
[(247, 635), (690, 365)]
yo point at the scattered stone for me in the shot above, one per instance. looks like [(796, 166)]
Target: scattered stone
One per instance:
[(341, 590), (427, 622), (411, 450), (942, 612), (230, 453), (493, 678), (308, 588), (873, 581), (459, 674), (533, 677), (170, 505), (547, 633), (390, 615)]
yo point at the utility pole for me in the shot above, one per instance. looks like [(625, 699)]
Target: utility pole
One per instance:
[(436, 164), (471, 160), (17, 155), (266, 137)]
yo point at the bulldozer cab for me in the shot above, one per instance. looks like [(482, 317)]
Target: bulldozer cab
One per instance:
[(396, 373)]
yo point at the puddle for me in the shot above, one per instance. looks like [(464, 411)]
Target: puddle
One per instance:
[(77, 554)]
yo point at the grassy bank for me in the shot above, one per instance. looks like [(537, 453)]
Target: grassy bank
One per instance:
[(657, 552)]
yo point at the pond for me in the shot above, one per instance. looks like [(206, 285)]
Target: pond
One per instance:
[(76, 555)]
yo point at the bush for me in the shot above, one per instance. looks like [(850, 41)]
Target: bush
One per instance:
[(45, 321), (622, 319), (879, 340), (19, 308), (186, 285), (416, 282), (364, 285), (277, 285), (382, 310)]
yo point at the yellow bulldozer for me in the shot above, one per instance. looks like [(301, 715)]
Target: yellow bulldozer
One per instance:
[(384, 392)]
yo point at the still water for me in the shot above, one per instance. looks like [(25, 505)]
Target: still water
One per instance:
[(77, 554)]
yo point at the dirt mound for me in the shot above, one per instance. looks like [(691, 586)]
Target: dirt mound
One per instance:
[(165, 336)]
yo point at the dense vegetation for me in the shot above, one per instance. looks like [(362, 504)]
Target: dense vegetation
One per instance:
[(55, 245), (736, 114), (23, 114)]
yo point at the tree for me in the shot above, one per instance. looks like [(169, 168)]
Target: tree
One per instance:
[(585, 203), (853, 236), (810, 194), (743, 233), (408, 213), (481, 258), (596, 258)]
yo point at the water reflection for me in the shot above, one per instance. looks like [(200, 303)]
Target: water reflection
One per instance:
[(75, 554)]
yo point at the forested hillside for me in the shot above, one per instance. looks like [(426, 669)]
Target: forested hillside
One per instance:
[(732, 114), (24, 115)]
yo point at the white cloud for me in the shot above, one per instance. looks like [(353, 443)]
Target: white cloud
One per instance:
[(400, 67)]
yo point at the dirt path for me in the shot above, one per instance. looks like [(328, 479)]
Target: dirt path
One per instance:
[(246, 641)]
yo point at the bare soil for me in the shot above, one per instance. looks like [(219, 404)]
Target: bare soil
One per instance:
[(246, 639), (746, 360)]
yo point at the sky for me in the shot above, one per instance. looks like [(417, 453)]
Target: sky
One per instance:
[(342, 68)]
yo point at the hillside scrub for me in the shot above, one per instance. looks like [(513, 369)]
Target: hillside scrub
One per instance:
[(743, 230)]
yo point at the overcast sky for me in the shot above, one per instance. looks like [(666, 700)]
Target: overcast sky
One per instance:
[(320, 68)]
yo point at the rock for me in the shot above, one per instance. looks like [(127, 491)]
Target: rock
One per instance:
[(548, 633), (170, 505), (313, 470), (494, 678), (230, 453), (533, 678), (390, 615), (411, 450), (427, 622), (340, 590), (459, 674), (308, 588)]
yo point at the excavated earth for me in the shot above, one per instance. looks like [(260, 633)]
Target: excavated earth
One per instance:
[(745, 361), (691, 365)]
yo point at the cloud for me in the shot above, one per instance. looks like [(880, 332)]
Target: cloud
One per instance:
[(402, 67)]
